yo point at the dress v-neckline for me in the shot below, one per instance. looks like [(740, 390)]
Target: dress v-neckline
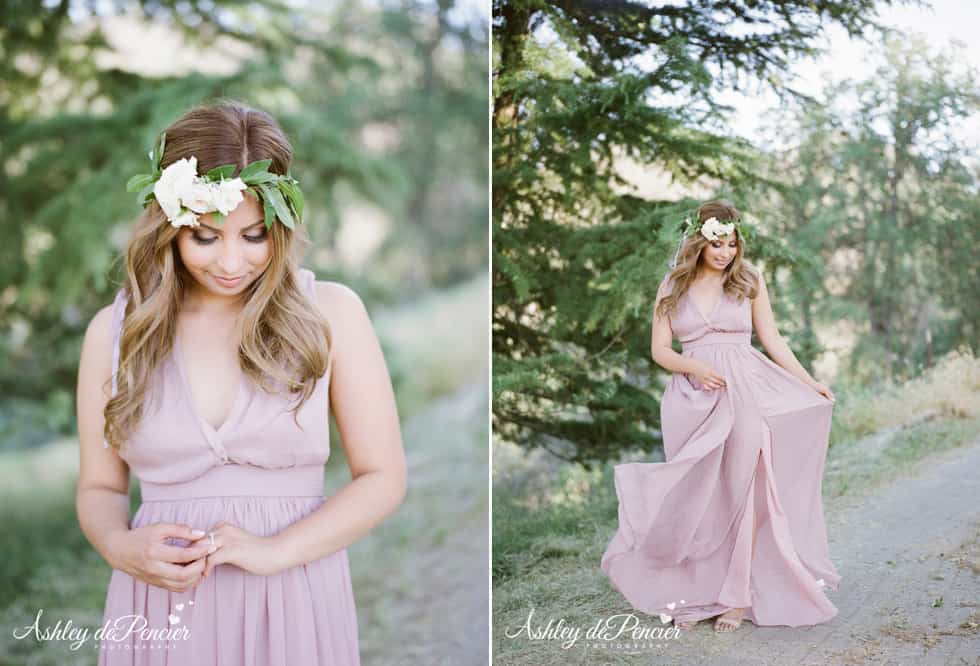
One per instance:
[(205, 424), (694, 304)]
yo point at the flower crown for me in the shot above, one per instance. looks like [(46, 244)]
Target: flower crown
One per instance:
[(183, 195), (712, 228)]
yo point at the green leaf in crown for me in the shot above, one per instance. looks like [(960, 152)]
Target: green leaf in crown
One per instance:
[(220, 173), (280, 195)]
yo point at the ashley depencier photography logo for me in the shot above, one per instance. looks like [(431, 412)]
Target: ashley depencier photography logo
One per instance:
[(620, 631), (113, 634)]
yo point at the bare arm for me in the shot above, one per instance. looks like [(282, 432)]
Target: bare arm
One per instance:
[(363, 403), (765, 328), (660, 349), (102, 494)]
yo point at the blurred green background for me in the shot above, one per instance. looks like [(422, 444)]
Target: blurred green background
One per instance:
[(386, 106)]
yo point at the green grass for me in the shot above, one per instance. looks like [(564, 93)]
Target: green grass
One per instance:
[(857, 468), (580, 503), (48, 564), (421, 578), (437, 343)]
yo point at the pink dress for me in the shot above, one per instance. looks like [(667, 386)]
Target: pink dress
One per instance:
[(741, 460), (257, 471)]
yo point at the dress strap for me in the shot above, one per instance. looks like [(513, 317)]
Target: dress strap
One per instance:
[(308, 281), (118, 313)]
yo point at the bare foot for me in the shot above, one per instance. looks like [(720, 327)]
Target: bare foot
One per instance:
[(730, 620), (685, 624)]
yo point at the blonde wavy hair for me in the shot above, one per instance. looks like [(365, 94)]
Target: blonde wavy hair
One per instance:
[(741, 278), (283, 335)]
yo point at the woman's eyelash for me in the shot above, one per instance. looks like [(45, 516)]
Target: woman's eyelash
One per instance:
[(207, 241)]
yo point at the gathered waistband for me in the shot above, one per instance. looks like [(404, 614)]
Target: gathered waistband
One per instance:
[(241, 480), (719, 338)]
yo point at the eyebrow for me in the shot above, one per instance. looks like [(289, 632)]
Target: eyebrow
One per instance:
[(257, 222)]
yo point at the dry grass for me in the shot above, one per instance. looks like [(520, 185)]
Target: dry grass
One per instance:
[(951, 389)]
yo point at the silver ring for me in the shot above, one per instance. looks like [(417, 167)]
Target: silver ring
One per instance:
[(211, 536)]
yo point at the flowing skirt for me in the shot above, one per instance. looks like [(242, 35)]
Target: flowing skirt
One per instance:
[(734, 517)]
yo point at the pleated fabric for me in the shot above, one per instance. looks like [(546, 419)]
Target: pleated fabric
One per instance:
[(743, 463), (258, 471)]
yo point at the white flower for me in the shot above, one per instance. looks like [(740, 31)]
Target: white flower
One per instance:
[(187, 218), (198, 196), (174, 182), (712, 229), (227, 194)]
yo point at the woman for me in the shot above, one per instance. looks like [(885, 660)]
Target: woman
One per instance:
[(224, 359), (731, 524)]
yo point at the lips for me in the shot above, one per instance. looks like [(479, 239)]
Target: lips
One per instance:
[(228, 281)]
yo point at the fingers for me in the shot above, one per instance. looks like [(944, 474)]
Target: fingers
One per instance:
[(179, 578), (175, 530), (716, 382), (181, 554), (178, 572), (213, 560), (200, 543), (210, 542), (207, 538)]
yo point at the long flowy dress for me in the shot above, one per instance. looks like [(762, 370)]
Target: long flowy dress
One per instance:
[(743, 463), (258, 471)]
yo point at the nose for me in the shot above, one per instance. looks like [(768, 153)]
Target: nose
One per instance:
[(231, 261)]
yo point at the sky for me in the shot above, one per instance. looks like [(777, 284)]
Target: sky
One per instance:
[(943, 22), (946, 24)]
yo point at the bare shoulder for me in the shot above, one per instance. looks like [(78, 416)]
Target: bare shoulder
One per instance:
[(98, 334), (760, 284), (95, 361), (339, 303)]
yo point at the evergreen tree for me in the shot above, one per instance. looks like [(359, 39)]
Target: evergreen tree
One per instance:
[(887, 191), (576, 259), (383, 104)]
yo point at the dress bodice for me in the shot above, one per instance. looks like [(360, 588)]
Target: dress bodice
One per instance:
[(730, 321), (173, 443)]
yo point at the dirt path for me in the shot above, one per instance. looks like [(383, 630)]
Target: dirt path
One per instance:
[(421, 578), (909, 557)]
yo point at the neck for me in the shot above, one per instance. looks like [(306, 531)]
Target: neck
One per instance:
[(711, 274)]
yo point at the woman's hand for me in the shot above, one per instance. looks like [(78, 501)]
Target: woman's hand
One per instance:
[(709, 378), (256, 554), (143, 553), (823, 390)]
